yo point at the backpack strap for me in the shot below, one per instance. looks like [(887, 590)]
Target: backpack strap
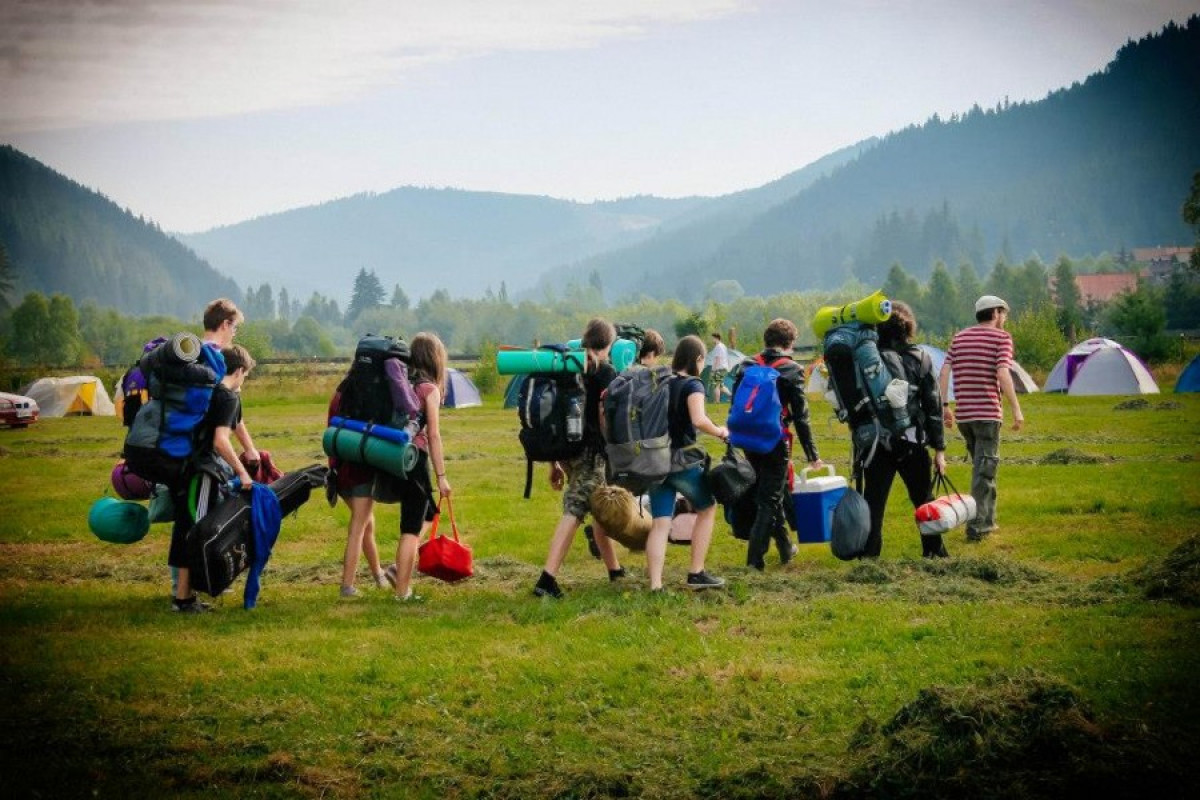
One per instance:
[(528, 476)]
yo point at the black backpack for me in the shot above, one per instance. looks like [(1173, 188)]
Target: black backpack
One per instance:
[(366, 396), (551, 412)]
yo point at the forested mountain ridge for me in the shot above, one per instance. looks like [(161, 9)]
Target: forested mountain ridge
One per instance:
[(1101, 165), (428, 239), (63, 237)]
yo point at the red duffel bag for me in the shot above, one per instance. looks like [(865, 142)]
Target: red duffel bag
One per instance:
[(946, 512), (442, 557)]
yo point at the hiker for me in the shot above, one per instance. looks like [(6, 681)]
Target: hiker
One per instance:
[(221, 322), (651, 350), (907, 455), (720, 367), (979, 359), (418, 506), (771, 468), (583, 474), (686, 415)]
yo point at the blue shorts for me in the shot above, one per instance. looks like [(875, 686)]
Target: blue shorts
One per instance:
[(690, 483)]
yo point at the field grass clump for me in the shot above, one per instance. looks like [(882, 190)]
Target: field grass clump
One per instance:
[(1177, 577)]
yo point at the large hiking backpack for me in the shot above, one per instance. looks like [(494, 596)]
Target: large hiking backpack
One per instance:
[(181, 374), (756, 419), (637, 407), (550, 408), (873, 393), (134, 388), (368, 395)]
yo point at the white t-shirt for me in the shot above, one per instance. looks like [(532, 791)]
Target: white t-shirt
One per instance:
[(720, 356)]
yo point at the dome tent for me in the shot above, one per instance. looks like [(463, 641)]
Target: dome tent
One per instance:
[(461, 391), (78, 395), (1189, 379), (1023, 382), (1100, 367)]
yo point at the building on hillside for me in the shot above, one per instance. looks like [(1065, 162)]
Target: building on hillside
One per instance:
[(1095, 289), (1159, 262)]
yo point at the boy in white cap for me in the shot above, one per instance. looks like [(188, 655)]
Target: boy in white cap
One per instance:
[(979, 359)]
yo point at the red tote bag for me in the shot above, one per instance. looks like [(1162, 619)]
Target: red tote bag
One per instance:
[(441, 557)]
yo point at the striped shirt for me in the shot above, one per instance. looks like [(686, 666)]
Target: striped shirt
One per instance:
[(974, 357)]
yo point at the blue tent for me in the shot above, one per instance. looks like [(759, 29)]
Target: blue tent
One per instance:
[(1189, 379), (512, 392), (460, 390)]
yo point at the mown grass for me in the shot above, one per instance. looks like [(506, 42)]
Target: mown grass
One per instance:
[(818, 679)]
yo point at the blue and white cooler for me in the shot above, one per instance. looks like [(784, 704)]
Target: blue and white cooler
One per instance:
[(814, 498)]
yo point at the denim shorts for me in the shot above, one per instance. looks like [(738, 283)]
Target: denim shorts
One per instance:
[(690, 483)]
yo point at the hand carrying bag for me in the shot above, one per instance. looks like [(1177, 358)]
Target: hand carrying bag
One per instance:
[(946, 512), (441, 557), (731, 478)]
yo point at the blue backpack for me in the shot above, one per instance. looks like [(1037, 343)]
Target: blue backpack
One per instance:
[(756, 414)]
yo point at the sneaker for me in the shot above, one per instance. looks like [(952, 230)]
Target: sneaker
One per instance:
[(785, 556), (349, 591), (409, 598), (389, 575), (615, 575), (381, 580), (702, 580), (547, 586), (590, 535), (189, 606)]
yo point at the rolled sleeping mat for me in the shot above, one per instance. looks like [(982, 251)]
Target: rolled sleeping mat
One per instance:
[(624, 352), (118, 521), (871, 310), (382, 431), (523, 362), (184, 347), (393, 458)]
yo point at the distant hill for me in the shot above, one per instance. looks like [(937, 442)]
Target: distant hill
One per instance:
[(63, 237), (428, 239), (1101, 165)]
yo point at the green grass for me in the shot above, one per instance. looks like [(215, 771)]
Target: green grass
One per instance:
[(802, 681)]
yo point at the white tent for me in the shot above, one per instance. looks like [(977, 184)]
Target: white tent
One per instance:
[(1100, 366), (79, 395)]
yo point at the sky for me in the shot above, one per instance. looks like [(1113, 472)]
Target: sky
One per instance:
[(200, 113)]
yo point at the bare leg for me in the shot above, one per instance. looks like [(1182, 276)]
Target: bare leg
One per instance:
[(702, 536), (361, 512), (406, 558), (656, 550), (604, 544), (370, 548), (560, 543)]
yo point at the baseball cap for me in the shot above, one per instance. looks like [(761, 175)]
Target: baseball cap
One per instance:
[(989, 301)]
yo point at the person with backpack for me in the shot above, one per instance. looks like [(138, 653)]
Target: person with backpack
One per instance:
[(376, 390), (770, 456), (418, 505), (907, 455), (686, 415), (979, 360), (583, 474)]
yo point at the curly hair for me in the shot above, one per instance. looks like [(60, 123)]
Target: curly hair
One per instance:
[(899, 329)]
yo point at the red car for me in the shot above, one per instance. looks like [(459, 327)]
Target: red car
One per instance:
[(17, 410)]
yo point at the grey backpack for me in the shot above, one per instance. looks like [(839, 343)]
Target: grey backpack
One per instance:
[(636, 412)]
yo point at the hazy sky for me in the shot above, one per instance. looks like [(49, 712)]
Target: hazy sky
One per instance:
[(199, 113)]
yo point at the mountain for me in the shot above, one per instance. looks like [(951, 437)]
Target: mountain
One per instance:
[(63, 237), (1095, 167), (428, 239)]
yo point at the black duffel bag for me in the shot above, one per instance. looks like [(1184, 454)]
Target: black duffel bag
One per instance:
[(731, 478)]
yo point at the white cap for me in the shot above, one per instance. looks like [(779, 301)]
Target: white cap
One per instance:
[(989, 301)]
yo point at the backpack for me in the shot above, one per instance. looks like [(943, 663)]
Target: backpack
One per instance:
[(181, 374), (756, 418), (133, 388), (871, 391), (550, 408), (367, 393), (637, 407)]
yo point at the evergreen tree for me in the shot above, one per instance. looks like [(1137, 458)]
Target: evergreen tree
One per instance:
[(1069, 301), (1001, 281), (285, 306), (969, 289), (29, 343), (368, 293), (1141, 317), (941, 302), (1191, 215), (1032, 286), (8, 278), (64, 345), (902, 286), (400, 299)]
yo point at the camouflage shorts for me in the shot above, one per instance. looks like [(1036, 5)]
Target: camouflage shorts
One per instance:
[(584, 476)]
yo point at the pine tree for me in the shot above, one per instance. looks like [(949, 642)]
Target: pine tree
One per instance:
[(1068, 300), (8, 278), (400, 298), (941, 302), (368, 293), (285, 306)]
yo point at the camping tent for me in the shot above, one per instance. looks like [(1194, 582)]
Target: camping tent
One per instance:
[(735, 357), (1100, 366), (1023, 382), (460, 390), (78, 395), (816, 377), (1189, 379), (512, 392)]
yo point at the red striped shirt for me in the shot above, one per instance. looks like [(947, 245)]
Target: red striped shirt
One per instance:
[(974, 357)]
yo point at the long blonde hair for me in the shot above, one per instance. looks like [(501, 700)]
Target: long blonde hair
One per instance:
[(429, 359)]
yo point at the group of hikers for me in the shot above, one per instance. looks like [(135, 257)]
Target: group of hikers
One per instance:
[(977, 361)]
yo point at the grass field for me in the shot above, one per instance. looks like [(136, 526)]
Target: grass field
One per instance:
[(1059, 658)]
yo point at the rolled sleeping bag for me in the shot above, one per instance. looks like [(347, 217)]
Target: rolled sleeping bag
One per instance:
[(396, 435), (118, 521), (523, 362), (871, 310), (394, 458)]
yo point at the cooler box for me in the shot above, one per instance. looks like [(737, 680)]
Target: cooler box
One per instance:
[(814, 498)]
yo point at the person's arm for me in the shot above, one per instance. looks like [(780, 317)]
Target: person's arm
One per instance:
[(433, 431), (798, 408), (944, 393), (695, 406), (224, 448), (1004, 378), (243, 436)]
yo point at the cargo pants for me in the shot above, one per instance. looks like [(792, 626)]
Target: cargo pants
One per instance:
[(983, 445)]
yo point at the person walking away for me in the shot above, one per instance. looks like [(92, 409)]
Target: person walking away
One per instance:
[(907, 455), (979, 360), (771, 489), (720, 367), (686, 415), (584, 474)]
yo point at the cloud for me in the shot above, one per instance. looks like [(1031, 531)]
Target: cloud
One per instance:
[(73, 63)]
